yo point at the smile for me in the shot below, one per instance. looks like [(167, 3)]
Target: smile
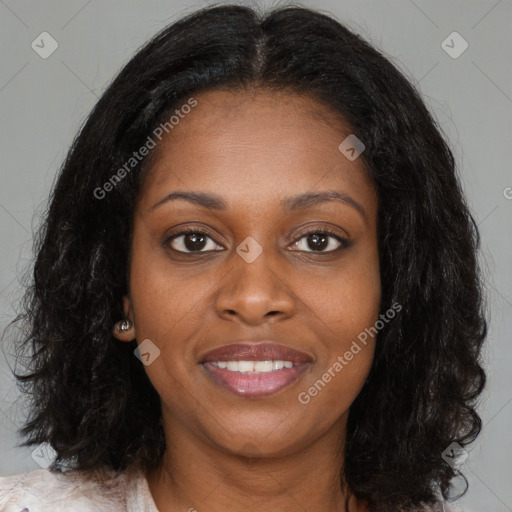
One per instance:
[(239, 378), (255, 370), (252, 367)]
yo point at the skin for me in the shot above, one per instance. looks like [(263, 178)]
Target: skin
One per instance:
[(254, 149)]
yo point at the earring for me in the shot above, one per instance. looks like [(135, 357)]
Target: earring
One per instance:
[(124, 325)]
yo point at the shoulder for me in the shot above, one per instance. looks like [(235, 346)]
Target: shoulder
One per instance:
[(46, 490)]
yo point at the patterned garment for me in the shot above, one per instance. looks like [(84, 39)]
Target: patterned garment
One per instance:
[(100, 490)]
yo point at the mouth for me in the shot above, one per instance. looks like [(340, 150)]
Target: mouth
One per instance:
[(255, 370)]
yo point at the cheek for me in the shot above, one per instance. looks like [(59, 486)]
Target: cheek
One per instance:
[(165, 308), (349, 299), (165, 312), (163, 300), (344, 308)]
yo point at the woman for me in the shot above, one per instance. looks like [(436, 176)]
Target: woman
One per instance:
[(256, 287)]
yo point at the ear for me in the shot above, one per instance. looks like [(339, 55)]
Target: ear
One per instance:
[(128, 334), (127, 308)]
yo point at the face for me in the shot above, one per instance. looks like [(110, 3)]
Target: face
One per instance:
[(280, 263)]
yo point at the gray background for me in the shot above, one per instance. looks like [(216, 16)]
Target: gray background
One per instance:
[(44, 101)]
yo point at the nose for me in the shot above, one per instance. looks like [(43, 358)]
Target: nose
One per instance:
[(254, 293)]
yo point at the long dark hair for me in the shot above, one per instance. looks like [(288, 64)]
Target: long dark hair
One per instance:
[(91, 398)]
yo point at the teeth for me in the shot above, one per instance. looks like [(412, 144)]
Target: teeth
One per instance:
[(232, 366), (277, 365), (253, 366), (245, 366)]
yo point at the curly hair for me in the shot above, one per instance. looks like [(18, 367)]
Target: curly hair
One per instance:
[(91, 399)]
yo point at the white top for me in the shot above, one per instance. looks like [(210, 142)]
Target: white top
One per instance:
[(43, 490), (100, 490)]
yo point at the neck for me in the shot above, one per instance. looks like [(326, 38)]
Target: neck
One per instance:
[(196, 475)]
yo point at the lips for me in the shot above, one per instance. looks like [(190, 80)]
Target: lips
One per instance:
[(263, 351), (274, 368)]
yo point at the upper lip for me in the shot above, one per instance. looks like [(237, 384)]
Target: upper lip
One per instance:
[(261, 351)]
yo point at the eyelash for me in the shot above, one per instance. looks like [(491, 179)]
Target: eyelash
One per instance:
[(320, 231)]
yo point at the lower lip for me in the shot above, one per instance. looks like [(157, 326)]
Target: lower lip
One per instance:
[(256, 385)]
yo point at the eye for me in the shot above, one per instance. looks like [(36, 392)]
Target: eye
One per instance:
[(199, 241), (192, 240), (319, 240)]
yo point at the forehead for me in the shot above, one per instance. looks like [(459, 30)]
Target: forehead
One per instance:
[(255, 141), (219, 111)]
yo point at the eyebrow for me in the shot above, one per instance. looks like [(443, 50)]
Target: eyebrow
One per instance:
[(290, 204)]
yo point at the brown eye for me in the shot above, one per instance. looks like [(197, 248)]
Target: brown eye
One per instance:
[(190, 241), (319, 241)]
